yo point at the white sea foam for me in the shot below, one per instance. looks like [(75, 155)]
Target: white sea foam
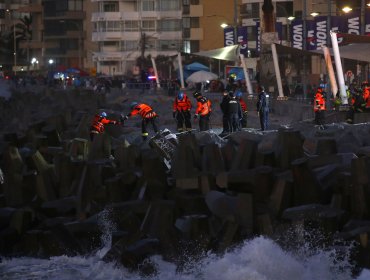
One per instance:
[(257, 259)]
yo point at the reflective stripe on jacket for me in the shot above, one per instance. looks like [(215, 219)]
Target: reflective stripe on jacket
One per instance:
[(144, 110)]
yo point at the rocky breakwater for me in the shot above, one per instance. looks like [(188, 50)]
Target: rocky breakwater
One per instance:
[(176, 195)]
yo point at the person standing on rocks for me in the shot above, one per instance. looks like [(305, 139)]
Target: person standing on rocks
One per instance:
[(243, 104), (203, 111), (319, 107), (181, 111), (263, 107), (98, 124), (147, 114), (235, 112), (225, 115)]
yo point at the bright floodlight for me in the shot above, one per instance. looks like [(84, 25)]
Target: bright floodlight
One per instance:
[(314, 14), (51, 61), (346, 9), (33, 60), (291, 18), (224, 25)]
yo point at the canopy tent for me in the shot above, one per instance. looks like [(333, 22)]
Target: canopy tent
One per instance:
[(229, 53), (196, 66)]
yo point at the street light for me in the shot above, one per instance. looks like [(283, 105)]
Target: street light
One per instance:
[(79, 28)]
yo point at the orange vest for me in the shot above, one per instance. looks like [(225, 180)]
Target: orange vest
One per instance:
[(145, 111), (203, 106), (98, 123), (319, 102), (182, 105)]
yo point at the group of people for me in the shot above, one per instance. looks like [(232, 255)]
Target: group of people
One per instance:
[(358, 101), (233, 107)]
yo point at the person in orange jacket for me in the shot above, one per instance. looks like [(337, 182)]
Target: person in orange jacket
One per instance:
[(203, 111), (319, 106), (98, 124), (181, 111), (366, 95), (147, 114)]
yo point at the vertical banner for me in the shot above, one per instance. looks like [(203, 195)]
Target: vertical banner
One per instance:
[(339, 24), (367, 22), (297, 33), (279, 30), (242, 39), (353, 23), (321, 24), (311, 35), (258, 37), (229, 35)]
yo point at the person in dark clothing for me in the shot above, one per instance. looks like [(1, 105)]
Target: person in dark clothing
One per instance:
[(263, 107), (225, 116), (234, 112)]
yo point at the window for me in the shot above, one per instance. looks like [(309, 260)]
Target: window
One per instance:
[(75, 5), (186, 22), (110, 7), (170, 25), (131, 25), (252, 10), (148, 25), (252, 33), (148, 5), (169, 45), (113, 26), (284, 9), (169, 5), (194, 22), (131, 45)]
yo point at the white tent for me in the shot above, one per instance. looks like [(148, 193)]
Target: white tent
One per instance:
[(230, 53)]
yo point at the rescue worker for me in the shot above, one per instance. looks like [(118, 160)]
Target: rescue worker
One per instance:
[(98, 124), (147, 114), (203, 111), (234, 112), (263, 107), (181, 111), (366, 95), (319, 107), (225, 115), (243, 105)]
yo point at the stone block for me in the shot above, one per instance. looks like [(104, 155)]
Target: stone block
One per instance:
[(212, 161), (79, 149), (6, 214), (228, 152), (306, 187), (246, 155), (100, 147), (281, 196), (289, 147), (187, 183), (21, 220), (264, 224), (207, 183)]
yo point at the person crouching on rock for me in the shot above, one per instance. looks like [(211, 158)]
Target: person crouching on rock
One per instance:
[(98, 124), (147, 114), (181, 111), (203, 111), (243, 104)]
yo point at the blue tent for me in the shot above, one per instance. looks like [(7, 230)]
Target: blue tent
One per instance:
[(191, 68), (196, 66)]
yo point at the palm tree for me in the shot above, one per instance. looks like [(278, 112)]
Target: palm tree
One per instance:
[(23, 32)]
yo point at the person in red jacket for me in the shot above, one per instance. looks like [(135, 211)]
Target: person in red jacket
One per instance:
[(366, 95), (243, 104), (203, 111), (98, 124), (147, 114), (181, 111), (319, 107)]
